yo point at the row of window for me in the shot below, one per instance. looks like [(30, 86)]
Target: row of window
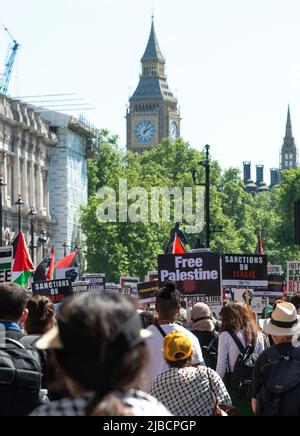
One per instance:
[(146, 107), (289, 164), (150, 71)]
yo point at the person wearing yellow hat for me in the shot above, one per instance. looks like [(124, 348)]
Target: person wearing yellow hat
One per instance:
[(184, 389)]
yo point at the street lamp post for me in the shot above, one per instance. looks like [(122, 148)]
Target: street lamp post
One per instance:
[(42, 241), (20, 203), (65, 245), (32, 214), (209, 229), (206, 164), (2, 184)]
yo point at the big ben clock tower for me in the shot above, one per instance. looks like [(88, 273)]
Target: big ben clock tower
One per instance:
[(153, 111)]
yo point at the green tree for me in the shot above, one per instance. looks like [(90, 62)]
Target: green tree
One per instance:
[(132, 248)]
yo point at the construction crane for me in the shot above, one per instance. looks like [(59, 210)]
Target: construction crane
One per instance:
[(4, 82)]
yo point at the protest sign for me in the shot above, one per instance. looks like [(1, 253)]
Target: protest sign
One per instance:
[(196, 274), (80, 288), (71, 274), (152, 276), (248, 271), (274, 269), (56, 290), (129, 286), (147, 291), (276, 287), (96, 282), (248, 296), (6, 256), (112, 288), (293, 285)]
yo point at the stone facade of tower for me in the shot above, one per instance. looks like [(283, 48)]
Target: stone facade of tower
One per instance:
[(153, 112), (289, 151)]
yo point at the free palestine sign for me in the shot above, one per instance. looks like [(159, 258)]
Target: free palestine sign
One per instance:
[(194, 273)]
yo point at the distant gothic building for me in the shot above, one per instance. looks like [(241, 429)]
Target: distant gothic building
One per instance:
[(289, 152), (288, 160), (153, 112)]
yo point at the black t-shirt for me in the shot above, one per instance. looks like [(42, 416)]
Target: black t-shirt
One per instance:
[(284, 349)]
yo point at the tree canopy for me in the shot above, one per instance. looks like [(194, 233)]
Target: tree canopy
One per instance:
[(131, 248)]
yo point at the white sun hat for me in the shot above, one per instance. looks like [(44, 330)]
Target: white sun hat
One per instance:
[(284, 322)]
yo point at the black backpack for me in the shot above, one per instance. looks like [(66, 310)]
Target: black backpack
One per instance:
[(241, 378), (20, 378), (210, 354), (280, 394)]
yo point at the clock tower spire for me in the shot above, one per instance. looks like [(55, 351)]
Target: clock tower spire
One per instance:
[(153, 112)]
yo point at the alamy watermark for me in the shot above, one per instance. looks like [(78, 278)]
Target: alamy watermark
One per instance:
[(160, 205)]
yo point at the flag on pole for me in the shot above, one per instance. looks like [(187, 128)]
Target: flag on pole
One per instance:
[(68, 261), (23, 267), (50, 272), (177, 241), (178, 247), (259, 248)]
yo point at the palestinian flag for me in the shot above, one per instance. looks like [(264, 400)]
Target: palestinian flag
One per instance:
[(259, 247), (176, 244), (178, 247), (51, 266), (22, 264)]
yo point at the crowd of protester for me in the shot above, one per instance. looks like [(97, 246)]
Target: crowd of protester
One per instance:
[(97, 355)]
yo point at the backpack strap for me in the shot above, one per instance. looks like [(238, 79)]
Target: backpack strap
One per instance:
[(16, 343), (238, 343), (209, 346), (29, 341), (160, 329)]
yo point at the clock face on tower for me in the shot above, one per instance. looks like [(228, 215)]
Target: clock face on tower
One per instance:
[(144, 131), (174, 131)]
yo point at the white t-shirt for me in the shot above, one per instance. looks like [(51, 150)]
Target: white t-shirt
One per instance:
[(157, 364)]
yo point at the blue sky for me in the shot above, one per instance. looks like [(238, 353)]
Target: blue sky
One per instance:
[(234, 64)]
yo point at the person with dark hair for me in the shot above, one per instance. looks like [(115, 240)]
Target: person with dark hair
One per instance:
[(13, 312), (184, 389), (168, 307), (147, 318), (239, 335), (20, 363), (41, 315), (100, 347), (295, 301)]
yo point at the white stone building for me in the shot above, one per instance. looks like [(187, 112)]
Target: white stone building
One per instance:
[(43, 159)]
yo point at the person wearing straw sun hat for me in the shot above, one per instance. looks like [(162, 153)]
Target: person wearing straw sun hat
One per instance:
[(284, 321), (276, 381)]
